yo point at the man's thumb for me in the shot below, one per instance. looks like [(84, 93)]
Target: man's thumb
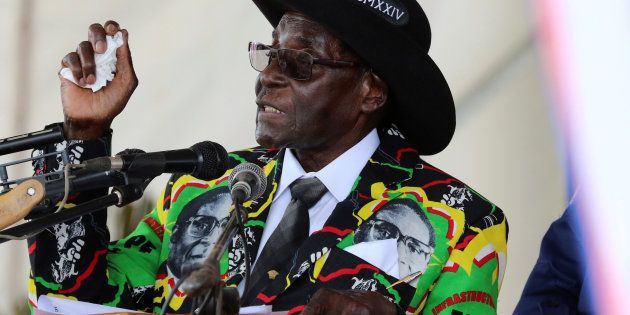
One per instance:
[(123, 56)]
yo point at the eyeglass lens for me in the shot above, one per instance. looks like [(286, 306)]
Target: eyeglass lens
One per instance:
[(200, 226), (293, 63), (385, 230)]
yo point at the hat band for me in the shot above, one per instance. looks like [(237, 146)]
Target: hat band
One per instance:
[(392, 10)]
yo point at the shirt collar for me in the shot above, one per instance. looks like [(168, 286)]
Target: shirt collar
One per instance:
[(339, 175)]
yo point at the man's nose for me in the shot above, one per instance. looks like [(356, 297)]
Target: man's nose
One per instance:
[(272, 75)]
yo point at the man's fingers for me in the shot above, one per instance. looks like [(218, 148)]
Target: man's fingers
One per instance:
[(322, 301), (88, 66), (124, 65), (72, 62), (313, 310), (111, 27), (356, 308), (346, 302), (96, 36), (328, 301)]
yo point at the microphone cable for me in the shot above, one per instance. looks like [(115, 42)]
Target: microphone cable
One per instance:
[(247, 258), (66, 183)]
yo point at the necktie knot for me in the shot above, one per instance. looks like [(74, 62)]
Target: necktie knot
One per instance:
[(307, 190)]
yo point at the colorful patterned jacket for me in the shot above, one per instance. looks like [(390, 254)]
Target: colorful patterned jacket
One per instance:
[(456, 247)]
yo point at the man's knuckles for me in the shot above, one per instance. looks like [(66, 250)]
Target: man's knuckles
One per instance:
[(355, 307), (331, 301), (313, 309)]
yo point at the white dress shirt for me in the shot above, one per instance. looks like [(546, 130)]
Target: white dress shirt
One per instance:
[(338, 177)]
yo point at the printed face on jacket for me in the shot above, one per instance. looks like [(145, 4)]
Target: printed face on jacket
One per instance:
[(404, 221), (197, 229)]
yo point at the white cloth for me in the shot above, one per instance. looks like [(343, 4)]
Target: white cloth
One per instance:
[(105, 64), (383, 254), (49, 305), (338, 177), (55, 305)]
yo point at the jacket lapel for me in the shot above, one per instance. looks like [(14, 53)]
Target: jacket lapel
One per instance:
[(258, 210)]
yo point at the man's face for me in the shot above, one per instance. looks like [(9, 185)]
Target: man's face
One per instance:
[(202, 230), (315, 113), (402, 223)]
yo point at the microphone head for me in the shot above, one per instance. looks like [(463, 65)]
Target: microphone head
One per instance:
[(214, 160), (250, 179)]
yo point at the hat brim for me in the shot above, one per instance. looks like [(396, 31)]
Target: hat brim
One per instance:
[(423, 107)]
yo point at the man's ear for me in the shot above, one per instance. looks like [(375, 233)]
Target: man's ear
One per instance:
[(375, 92)]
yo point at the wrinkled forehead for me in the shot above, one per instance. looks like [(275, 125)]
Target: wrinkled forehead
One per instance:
[(299, 19), (217, 208)]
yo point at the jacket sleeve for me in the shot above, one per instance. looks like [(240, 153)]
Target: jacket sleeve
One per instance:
[(471, 278), (75, 259)]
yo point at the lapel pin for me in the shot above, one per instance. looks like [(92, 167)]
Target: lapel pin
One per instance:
[(272, 274)]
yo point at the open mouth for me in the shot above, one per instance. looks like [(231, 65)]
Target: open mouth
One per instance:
[(269, 109)]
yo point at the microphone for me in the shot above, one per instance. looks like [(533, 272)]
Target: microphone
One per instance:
[(247, 182), (85, 180), (54, 190), (205, 160), (52, 133)]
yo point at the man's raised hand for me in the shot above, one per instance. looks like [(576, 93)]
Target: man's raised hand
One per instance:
[(87, 114)]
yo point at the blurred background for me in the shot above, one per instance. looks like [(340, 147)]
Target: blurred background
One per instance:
[(196, 84)]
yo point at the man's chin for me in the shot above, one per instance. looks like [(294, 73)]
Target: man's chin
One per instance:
[(268, 142)]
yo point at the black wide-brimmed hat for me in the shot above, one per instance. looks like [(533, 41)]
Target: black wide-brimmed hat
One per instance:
[(393, 37)]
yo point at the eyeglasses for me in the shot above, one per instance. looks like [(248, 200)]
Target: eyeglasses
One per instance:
[(382, 230), (201, 225), (295, 64)]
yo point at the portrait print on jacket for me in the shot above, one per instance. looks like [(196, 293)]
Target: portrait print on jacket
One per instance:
[(399, 220), (197, 229)]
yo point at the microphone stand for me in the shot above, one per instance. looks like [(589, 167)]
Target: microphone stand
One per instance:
[(204, 283), (119, 196)]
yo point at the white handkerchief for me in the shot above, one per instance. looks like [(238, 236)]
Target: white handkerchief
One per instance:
[(105, 64), (259, 310), (54, 305), (383, 254)]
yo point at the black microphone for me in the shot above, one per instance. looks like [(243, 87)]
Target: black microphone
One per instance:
[(53, 133), (78, 182), (205, 160), (85, 180), (247, 182)]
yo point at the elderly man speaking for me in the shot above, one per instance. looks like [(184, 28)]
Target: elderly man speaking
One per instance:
[(347, 101)]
